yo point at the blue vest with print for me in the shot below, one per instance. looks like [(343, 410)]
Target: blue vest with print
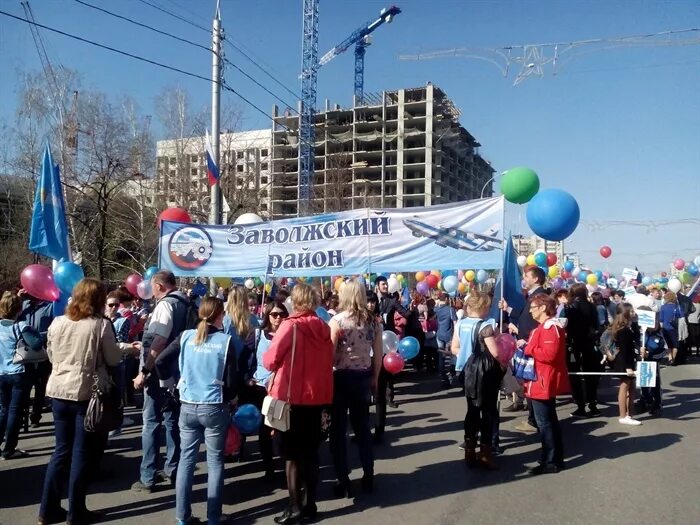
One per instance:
[(202, 368), (465, 329)]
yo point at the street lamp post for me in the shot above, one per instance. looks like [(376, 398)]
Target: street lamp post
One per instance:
[(487, 183)]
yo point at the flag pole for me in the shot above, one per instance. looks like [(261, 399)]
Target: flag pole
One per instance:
[(503, 261)]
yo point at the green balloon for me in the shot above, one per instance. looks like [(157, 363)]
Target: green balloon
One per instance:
[(685, 277), (519, 185)]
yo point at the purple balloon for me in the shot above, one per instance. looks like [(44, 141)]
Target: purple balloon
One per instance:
[(557, 283), (423, 288)]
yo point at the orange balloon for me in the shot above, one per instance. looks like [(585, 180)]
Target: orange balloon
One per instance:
[(436, 273), (338, 283), (461, 287), (420, 276)]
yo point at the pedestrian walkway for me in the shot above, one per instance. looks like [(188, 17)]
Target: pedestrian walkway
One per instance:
[(615, 474)]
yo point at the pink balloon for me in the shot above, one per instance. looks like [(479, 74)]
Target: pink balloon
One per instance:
[(393, 362), (144, 290), (679, 264), (132, 283), (506, 348), (38, 281)]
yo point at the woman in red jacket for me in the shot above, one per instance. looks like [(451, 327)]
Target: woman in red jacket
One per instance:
[(547, 345), (301, 357)]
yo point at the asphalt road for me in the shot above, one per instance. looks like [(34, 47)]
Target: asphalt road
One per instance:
[(616, 474)]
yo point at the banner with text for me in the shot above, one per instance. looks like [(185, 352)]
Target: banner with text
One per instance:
[(446, 237)]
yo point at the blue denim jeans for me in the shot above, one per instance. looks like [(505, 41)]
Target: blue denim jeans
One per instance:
[(545, 412), (351, 393), (75, 450), (151, 437), (13, 394), (209, 423)]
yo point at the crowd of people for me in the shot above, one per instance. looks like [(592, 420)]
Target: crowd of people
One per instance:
[(194, 360)]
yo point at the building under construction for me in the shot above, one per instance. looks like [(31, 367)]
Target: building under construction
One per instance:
[(401, 148)]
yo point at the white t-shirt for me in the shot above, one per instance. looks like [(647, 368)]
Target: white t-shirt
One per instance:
[(161, 319)]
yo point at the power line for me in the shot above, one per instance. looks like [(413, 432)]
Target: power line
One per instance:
[(148, 61), (229, 42), (165, 33), (135, 22), (154, 6)]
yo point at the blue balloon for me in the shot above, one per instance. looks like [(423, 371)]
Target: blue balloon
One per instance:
[(409, 347), (581, 277), (481, 276), (323, 313), (599, 275), (569, 266), (67, 275), (450, 283), (693, 270), (150, 272), (247, 419), (646, 280), (541, 259), (553, 214)]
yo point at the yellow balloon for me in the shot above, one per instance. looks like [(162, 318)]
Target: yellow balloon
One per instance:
[(469, 275), (338, 282), (224, 282), (553, 271), (461, 287), (420, 276), (439, 285), (400, 278), (592, 279), (531, 260), (268, 287)]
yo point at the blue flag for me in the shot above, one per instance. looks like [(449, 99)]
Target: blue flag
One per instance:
[(49, 232), (512, 290), (405, 297)]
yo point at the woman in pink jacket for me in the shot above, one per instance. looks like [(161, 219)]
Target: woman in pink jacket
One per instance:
[(301, 357), (547, 345)]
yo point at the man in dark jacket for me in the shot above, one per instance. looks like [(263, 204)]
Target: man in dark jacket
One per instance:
[(388, 305)]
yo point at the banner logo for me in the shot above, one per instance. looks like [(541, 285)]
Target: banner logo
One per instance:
[(190, 248)]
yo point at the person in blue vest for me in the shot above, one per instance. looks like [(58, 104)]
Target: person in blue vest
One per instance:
[(14, 379), (208, 383)]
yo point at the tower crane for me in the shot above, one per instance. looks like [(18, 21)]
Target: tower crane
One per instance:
[(361, 38), (309, 67)]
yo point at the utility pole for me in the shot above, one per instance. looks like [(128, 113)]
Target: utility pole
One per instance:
[(216, 81)]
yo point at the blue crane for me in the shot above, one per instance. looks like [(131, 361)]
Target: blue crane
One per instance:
[(361, 38), (309, 68)]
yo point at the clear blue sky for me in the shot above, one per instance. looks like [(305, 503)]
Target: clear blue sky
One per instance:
[(618, 128)]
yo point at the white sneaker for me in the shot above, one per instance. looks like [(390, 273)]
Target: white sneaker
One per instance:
[(627, 420)]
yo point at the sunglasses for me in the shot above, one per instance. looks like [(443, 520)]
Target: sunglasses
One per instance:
[(278, 314), (113, 305)]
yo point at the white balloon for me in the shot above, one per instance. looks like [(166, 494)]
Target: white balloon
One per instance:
[(289, 305), (522, 261), (392, 276), (576, 271), (696, 261), (249, 283), (390, 341), (247, 218), (675, 285), (393, 284)]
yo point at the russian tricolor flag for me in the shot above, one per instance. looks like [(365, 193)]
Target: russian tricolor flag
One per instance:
[(212, 168)]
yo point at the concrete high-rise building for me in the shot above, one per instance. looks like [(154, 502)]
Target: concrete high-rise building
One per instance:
[(527, 245), (244, 165), (401, 148)]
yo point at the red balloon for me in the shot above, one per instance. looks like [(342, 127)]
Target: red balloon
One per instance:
[(175, 215), (393, 362), (132, 283), (551, 259), (605, 251), (565, 275), (38, 282), (233, 441), (432, 280)]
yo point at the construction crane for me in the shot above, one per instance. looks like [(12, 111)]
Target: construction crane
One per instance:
[(309, 67), (361, 38)]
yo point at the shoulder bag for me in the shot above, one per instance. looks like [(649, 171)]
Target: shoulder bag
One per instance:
[(276, 411), (24, 355), (105, 410)]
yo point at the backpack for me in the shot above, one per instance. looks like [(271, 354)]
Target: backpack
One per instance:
[(607, 346), (24, 354), (190, 319)]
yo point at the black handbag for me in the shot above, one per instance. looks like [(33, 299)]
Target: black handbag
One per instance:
[(105, 410)]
